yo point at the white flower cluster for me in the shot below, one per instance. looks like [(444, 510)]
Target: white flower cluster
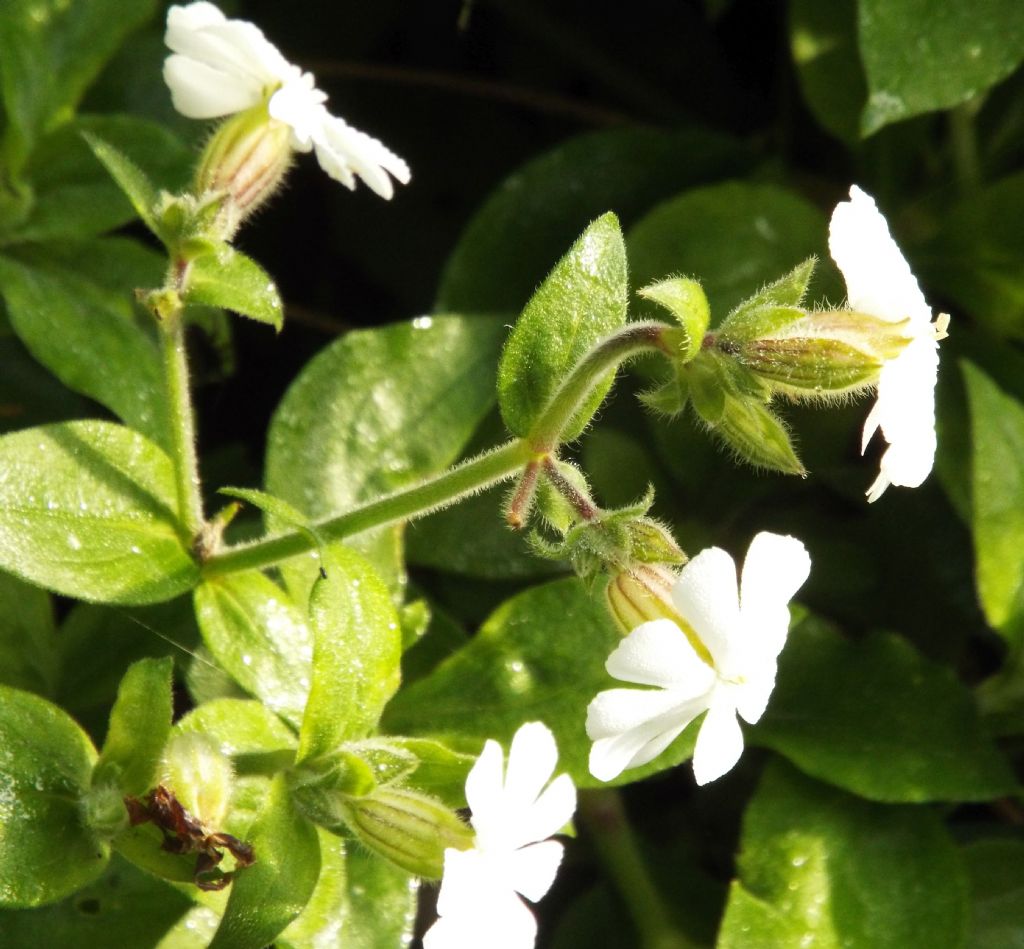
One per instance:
[(218, 67)]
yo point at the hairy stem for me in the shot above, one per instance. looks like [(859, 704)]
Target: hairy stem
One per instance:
[(631, 340), (456, 483), (605, 818), (183, 433)]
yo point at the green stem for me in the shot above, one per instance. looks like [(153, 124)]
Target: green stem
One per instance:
[(183, 434), (458, 482), (605, 818), (964, 142), (631, 340)]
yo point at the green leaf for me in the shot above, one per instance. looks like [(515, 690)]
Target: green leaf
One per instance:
[(583, 299), (85, 333), (267, 896), (50, 51), (75, 196), (140, 722), (901, 728), (260, 637), (123, 907), (375, 411), (734, 237), (28, 637), (88, 509), (997, 516), (823, 41), (368, 899), (46, 761), (130, 179), (356, 654), (996, 872), (240, 727), (823, 867), (686, 301), (531, 218), (919, 57), (227, 278), (975, 258), (540, 656)]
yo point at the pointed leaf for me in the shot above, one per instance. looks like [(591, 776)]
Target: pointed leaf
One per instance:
[(919, 58), (356, 654), (900, 727), (130, 179), (582, 300), (46, 760), (820, 865), (997, 472), (140, 722), (28, 637), (267, 896), (227, 278), (88, 509), (260, 637), (686, 301)]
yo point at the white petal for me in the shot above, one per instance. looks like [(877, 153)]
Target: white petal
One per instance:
[(532, 758), (633, 726), (658, 653), (484, 791), (549, 813), (202, 92), (344, 152), (775, 568), (196, 16), (532, 869), (707, 597), (719, 743), (906, 413), (752, 696), (299, 104), (878, 279)]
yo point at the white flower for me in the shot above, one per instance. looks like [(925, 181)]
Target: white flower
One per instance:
[(479, 903), (739, 640), (880, 284), (218, 67)]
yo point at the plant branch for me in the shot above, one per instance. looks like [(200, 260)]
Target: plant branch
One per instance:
[(455, 483)]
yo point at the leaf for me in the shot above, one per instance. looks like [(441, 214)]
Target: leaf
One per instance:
[(50, 51), (28, 646), (45, 764), (260, 637), (267, 896), (508, 246), (240, 727), (226, 277), (123, 907), (129, 178), (919, 58), (356, 654), (878, 719), (88, 509), (140, 722), (733, 237), (823, 41), (997, 515), (86, 334), (974, 260), (539, 656), (369, 900), (376, 411), (818, 865), (995, 870), (74, 196), (583, 299)]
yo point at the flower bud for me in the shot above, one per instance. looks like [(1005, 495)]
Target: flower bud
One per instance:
[(199, 776), (409, 829), (103, 810), (642, 594), (822, 354), (245, 160)]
